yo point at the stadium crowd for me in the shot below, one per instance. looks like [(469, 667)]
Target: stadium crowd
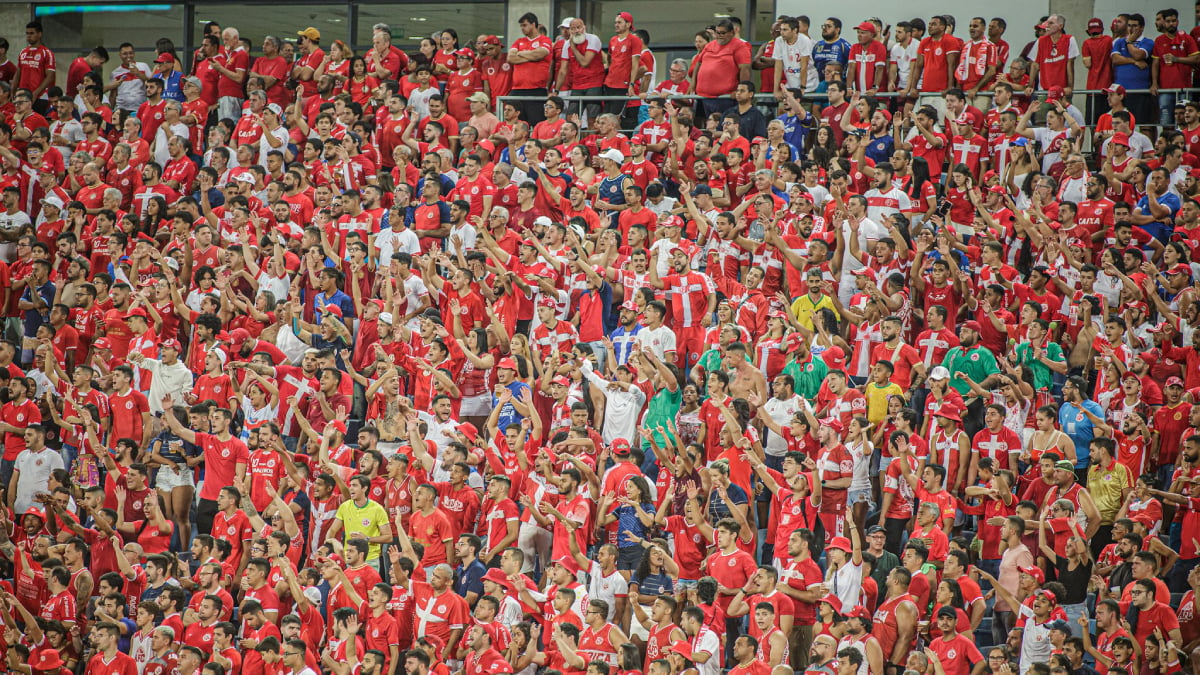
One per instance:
[(866, 356)]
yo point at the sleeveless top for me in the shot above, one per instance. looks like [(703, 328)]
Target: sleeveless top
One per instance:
[(849, 642), (595, 645), (764, 655), (884, 623)]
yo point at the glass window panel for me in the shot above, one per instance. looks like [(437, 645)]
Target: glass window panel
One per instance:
[(254, 21), (78, 27), (411, 22), (661, 18)]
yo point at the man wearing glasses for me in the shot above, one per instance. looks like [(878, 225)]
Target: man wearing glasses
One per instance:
[(25, 120), (720, 66), (293, 658)]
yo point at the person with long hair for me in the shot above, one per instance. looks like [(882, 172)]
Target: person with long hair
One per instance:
[(445, 61), (824, 147), (830, 620), (1074, 569), (336, 62), (949, 594), (858, 444), (360, 84), (633, 512)]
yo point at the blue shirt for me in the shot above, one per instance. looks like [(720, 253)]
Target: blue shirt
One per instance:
[(1160, 230), (1129, 75), (1079, 428), (338, 298), (469, 578), (827, 52), (654, 584), (509, 414), (172, 86), (628, 523), (795, 129), (34, 318), (879, 149)]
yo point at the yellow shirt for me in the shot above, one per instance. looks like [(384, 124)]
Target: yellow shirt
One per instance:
[(877, 400), (365, 521), (1106, 484), (803, 309)]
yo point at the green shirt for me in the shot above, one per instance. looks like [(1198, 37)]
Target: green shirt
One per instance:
[(978, 363), (1043, 377), (664, 405), (808, 375)]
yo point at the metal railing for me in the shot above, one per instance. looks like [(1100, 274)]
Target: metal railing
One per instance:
[(765, 99)]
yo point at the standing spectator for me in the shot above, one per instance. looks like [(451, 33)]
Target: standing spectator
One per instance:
[(581, 69), (1175, 57), (273, 69), (231, 66), (530, 59), (831, 51), (127, 83), (1131, 67), (36, 67), (624, 50), (306, 66), (937, 59), (867, 69), (1097, 58), (977, 65), (1052, 57), (719, 67), (795, 67), (91, 63)]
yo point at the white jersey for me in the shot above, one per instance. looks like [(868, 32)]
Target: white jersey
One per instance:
[(790, 56), (903, 57)]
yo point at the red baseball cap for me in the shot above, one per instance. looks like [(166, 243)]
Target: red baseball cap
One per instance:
[(867, 26), (1035, 572), (837, 426), (507, 363), (335, 310), (1095, 26)]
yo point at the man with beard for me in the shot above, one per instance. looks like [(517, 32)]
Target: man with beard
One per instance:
[(971, 359), (694, 300), (823, 656), (295, 195)]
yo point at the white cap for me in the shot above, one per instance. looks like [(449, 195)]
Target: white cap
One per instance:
[(566, 23), (53, 200), (939, 373), (614, 155), (543, 220), (385, 317), (313, 595), (274, 107)]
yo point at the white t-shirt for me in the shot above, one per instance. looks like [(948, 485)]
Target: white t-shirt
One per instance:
[(846, 584), (390, 241), (790, 55), (35, 468), (707, 641), (868, 231), (606, 588), (278, 286), (903, 57), (466, 233), (658, 341), (780, 410)]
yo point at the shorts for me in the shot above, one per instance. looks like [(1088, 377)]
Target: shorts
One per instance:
[(630, 557), (476, 406), (167, 480), (855, 496), (636, 629)]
